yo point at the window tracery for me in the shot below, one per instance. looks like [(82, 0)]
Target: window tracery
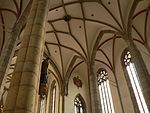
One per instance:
[(105, 93), (79, 104), (134, 80)]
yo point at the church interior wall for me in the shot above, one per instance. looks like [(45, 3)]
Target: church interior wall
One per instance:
[(73, 91)]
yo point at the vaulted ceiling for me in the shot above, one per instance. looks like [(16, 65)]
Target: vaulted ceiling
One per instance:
[(74, 26)]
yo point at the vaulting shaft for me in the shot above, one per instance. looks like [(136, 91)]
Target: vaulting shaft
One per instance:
[(24, 86)]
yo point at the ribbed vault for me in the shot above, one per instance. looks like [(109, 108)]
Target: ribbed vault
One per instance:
[(75, 29)]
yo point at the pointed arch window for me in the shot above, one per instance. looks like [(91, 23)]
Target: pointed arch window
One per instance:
[(42, 104), (105, 93), (53, 97), (133, 76), (79, 104)]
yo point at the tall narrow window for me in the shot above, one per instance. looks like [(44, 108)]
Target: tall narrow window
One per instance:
[(105, 93), (79, 104), (42, 104), (135, 83), (53, 99)]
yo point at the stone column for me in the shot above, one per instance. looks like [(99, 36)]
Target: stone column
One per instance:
[(141, 69), (25, 81), (7, 51), (94, 92)]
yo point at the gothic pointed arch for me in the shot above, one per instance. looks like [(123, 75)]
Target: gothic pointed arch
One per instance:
[(79, 104), (133, 82), (104, 91)]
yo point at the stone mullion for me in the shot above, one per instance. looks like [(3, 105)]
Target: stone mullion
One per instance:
[(136, 109), (141, 69), (25, 81), (95, 97)]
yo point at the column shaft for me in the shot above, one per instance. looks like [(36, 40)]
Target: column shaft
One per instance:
[(25, 81), (7, 51), (94, 92)]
